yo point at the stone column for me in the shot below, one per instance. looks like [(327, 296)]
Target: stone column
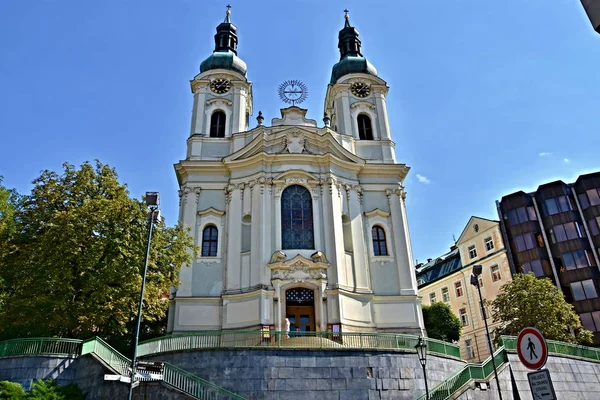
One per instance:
[(361, 274), (278, 230), (401, 242), (267, 221), (240, 98), (234, 236)]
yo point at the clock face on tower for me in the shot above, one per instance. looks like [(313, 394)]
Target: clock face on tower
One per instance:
[(360, 89), (220, 86)]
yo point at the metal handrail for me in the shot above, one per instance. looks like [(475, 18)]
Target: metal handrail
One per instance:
[(40, 346), (559, 348), (172, 375), (282, 339), (471, 371)]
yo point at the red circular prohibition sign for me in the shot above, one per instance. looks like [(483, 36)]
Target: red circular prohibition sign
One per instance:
[(531, 348)]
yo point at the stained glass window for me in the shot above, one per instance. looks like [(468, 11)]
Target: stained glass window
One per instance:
[(210, 237), (379, 245), (297, 218)]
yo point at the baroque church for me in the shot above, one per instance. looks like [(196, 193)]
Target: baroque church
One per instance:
[(296, 220)]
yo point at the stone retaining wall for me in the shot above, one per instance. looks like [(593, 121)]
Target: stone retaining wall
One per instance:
[(315, 374)]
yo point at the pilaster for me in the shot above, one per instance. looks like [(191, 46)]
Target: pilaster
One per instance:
[(234, 237), (361, 274), (189, 209), (408, 283)]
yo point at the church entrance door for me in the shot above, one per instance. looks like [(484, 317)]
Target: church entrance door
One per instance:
[(302, 318), (300, 309)]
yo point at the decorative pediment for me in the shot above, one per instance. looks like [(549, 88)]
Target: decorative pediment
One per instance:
[(298, 268), (293, 116), (377, 213), (295, 140), (211, 211)]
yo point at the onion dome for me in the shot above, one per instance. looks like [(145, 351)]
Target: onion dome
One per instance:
[(225, 54), (351, 59)]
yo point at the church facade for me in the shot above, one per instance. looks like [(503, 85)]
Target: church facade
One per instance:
[(294, 220)]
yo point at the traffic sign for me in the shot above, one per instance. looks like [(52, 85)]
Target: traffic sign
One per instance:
[(532, 349), (541, 385)]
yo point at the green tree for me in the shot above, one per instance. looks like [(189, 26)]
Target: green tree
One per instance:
[(8, 206), (11, 391), (528, 301), (441, 323), (76, 272)]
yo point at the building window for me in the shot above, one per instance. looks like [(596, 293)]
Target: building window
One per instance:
[(594, 225), (210, 237), (365, 131), (489, 244), (217, 124), (521, 214), (458, 288), (469, 349), (593, 196), (462, 314), (495, 271), (297, 218), (576, 259), (534, 266), (591, 321), (472, 251), (379, 245), (445, 295), (527, 241), (568, 231), (557, 205), (431, 297), (583, 290)]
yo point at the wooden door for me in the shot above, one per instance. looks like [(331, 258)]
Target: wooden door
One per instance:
[(302, 318)]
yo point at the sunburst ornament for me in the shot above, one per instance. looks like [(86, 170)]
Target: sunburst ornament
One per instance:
[(293, 92)]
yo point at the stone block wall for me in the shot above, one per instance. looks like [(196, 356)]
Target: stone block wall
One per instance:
[(26, 369), (315, 374)]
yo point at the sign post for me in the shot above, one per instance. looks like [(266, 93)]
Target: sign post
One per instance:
[(541, 385), (533, 353), (532, 349)]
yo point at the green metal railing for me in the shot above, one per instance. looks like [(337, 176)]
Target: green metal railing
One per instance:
[(278, 339), (470, 372), (40, 346), (195, 386), (559, 348), (106, 353)]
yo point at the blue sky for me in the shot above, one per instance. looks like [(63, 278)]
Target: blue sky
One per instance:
[(474, 85)]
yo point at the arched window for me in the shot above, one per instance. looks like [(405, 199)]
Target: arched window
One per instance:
[(365, 131), (210, 237), (297, 218), (379, 245), (217, 124)]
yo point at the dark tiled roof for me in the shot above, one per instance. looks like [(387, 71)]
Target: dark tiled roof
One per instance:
[(439, 268)]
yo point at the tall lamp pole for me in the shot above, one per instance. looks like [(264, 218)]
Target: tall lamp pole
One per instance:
[(421, 348), (477, 269), (152, 201)]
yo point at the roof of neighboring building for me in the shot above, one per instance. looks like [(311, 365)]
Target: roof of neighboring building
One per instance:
[(439, 267)]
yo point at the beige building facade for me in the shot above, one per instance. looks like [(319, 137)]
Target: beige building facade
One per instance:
[(447, 278)]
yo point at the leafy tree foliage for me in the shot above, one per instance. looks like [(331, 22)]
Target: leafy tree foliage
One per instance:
[(11, 391), (441, 323), (40, 390), (528, 301), (79, 250), (8, 205)]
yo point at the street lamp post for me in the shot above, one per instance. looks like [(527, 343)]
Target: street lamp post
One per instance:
[(477, 269), (152, 201), (421, 348)]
